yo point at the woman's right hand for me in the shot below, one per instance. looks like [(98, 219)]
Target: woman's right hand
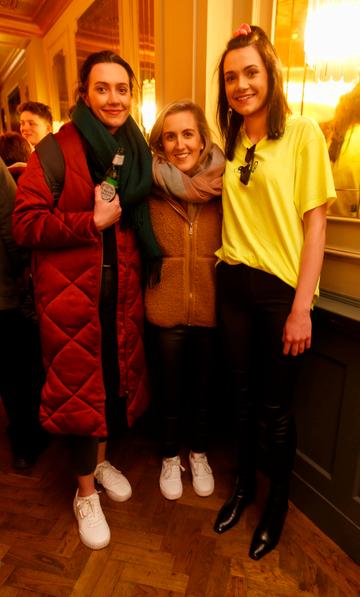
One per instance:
[(105, 213)]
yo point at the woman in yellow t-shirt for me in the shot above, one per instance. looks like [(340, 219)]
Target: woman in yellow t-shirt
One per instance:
[(277, 184)]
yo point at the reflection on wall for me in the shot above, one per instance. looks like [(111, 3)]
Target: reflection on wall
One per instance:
[(147, 63), (317, 81), (59, 71), (98, 29), (13, 102), (343, 134), (318, 89)]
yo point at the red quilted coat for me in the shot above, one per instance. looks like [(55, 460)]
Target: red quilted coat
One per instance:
[(67, 260)]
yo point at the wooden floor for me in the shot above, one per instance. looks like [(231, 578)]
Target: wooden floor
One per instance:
[(158, 548)]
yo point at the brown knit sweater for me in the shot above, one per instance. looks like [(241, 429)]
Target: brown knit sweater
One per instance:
[(188, 236)]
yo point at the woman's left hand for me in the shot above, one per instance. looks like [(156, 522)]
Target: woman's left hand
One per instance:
[(297, 333)]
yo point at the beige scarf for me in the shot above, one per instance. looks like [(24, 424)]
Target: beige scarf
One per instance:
[(203, 185)]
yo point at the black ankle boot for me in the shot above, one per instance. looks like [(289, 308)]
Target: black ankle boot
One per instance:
[(231, 511), (267, 533)]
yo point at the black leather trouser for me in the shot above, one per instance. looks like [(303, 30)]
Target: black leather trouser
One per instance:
[(84, 448), (254, 306), (185, 359)]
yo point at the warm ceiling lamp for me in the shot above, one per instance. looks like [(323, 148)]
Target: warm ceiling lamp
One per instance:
[(148, 104), (9, 3), (331, 39)]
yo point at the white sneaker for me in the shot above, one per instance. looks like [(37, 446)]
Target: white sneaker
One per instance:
[(113, 481), (93, 529), (170, 478), (202, 477)]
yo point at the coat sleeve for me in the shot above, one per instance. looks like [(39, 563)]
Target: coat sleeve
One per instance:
[(38, 225), (17, 256)]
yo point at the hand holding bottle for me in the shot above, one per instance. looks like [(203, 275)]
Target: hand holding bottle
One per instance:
[(105, 213)]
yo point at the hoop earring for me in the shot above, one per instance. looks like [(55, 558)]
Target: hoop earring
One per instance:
[(229, 112)]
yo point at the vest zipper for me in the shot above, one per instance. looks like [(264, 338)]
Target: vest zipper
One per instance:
[(191, 230)]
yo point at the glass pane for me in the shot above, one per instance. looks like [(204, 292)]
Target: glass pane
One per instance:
[(324, 94), (59, 70)]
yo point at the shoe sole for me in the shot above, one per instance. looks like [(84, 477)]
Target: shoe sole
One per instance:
[(116, 497), (92, 546), (203, 493), (170, 497)]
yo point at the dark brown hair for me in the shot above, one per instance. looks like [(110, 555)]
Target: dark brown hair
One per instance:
[(38, 108), (98, 58), (276, 100), (14, 148)]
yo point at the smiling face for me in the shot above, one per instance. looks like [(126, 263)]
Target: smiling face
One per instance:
[(181, 140), (108, 94), (33, 127), (246, 82)]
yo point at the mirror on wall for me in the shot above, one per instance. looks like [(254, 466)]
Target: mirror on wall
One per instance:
[(98, 29), (59, 74), (13, 101), (322, 82)]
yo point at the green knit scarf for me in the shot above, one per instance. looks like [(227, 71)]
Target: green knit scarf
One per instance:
[(135, 180)]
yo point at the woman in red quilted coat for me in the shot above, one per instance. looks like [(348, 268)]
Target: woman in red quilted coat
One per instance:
[(86, 271)]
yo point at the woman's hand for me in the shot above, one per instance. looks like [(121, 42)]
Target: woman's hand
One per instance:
[(297, 333), (297, 329), (105, 214)]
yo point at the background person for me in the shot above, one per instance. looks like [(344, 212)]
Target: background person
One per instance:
[(185, 211), (15, 151), (343, 136), (36, 121), (20, 373), (86, 269), (277, 185)]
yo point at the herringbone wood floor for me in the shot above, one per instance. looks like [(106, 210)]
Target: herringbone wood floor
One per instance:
[(158, 548)]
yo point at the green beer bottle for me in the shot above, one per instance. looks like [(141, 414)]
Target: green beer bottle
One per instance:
[(110, 183)]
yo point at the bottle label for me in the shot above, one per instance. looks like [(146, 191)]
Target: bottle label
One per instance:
[(108, 191), (118, 159)]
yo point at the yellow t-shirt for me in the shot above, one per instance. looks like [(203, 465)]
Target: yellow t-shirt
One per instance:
[(263, 221)]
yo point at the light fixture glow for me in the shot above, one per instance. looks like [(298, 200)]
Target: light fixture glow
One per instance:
[(148, 104), (331, 39)]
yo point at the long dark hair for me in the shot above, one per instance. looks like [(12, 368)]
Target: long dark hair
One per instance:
[(98, 58), (276, 100)]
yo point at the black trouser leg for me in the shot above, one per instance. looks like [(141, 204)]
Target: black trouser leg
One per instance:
[(202, 346), (169, 344), (84, 448), (273, 307), (254, 306), (181, 350), (115, 406), (83, 451), (237, 326)]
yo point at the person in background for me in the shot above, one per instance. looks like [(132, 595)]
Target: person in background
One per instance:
[(185, 209), (20, 373), (15, 150), (343, 136), (36, 121), (277, 185), (87, 273)]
